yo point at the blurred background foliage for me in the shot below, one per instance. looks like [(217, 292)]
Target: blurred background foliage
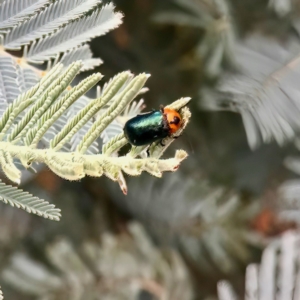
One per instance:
[(176, 237)]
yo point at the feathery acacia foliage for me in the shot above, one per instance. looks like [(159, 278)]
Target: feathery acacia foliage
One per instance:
[(47, 101), (214, 18), (198, 219), (75, 34), (14, 12), (20, 199), (264, 90), (54, 16), (209, 225), (277, 276), (42, 112), (162, 273), (56, 30), (44, 119)]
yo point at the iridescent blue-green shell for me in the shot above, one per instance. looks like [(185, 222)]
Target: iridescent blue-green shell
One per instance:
[(146, 128)]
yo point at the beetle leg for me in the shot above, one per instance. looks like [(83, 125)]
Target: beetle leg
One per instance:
[(161, 108)]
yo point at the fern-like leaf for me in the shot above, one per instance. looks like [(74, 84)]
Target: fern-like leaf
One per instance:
[(200, 226), (77, 33), (277, 276), (77, 137), (84, 54), (26, 78), (113, 129), (265, 91), (20, 199), (51, 19), (9, 88), (30, 276), (143, 264), (14, 12), (214, 18), (48, 102)]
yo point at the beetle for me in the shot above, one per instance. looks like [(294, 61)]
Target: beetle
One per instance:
[(152, 126)]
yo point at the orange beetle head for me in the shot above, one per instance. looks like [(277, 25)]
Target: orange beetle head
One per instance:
[(174, 119)]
